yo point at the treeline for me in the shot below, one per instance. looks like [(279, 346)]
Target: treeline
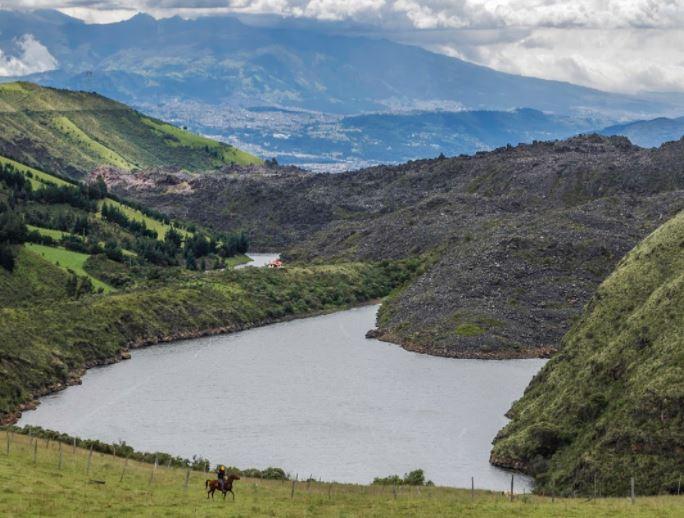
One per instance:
[(86, 236), (123, 450), (81, 196), (12, 232), (115, 215)]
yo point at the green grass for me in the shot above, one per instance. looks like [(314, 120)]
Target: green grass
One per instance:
[(610, 404), (67, 259), (34, 279), (72, 133), (68, 490), (88, 145), (182, 138), (159, 227), (38, 179), (54, 234), (469, 329)]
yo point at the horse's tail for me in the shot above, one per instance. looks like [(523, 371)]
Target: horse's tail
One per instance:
[(206, 483)]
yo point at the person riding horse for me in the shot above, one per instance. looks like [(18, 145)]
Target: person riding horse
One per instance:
[(221, 475)]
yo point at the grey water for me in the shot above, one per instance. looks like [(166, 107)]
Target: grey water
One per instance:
[(259, 260), (312, 396)]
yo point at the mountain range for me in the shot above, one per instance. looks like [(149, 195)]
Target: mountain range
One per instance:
[(350, 100)]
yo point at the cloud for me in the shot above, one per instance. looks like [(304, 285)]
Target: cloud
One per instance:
[(619, 45), (32, 57)]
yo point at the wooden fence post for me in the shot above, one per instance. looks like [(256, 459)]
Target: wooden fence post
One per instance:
[(631, 488), (512, 487), (293, 486), (394, 490), (73, 448), (154, 470), (8, 442), (59, 464), (35, 450), (123, 470), (187, 479), (90, 459), (472, 488)]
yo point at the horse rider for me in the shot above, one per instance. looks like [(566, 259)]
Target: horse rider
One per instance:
[(221, 474)]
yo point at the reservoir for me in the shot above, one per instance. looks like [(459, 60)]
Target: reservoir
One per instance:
[(312, 396)]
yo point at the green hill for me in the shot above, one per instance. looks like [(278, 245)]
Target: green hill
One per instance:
[(71, 133), (610, 405)]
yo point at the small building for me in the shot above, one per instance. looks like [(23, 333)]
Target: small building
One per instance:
[(276, 263)]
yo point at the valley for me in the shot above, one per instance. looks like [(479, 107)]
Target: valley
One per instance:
[(532, 240)]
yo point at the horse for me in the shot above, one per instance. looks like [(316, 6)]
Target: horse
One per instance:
[(213, 485)]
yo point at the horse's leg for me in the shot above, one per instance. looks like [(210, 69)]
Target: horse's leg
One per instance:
[(231, 492)]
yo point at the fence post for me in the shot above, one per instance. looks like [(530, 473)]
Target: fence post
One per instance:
[(631, 487), (187, 479), (330, 491), (123, 470), (8, 442), (394, 490), (472, 488), (35, 450), (59, 464), (154, 470), (73, 448), (512, 487), (292, 490), (90, 459)]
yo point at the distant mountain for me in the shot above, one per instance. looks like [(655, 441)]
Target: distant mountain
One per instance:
[(217, 59), (649, 133), (73, 132)]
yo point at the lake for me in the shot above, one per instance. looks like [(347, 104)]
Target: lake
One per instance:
[(312, 396), (259, 260)]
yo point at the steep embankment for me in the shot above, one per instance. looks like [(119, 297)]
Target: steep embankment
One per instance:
[(610, 405), (519, 238), (73, 132)]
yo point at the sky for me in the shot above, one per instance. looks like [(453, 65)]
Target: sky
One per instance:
[(616, 45)]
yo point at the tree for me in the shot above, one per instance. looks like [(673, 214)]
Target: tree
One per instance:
[(97, 190), (7, 260), (113, 251)]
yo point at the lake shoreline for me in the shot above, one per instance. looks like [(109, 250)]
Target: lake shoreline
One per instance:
[(75, 376)]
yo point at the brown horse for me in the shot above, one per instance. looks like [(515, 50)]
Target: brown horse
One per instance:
[(213, 485)]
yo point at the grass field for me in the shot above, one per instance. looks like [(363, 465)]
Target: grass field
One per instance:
[(39, 177), (54, 234), (67, 259), (114, 487), (158, 226)]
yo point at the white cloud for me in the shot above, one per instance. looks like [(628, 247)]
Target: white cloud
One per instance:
[(621, 45), (32, 57)]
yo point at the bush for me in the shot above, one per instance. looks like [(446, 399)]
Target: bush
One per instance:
[(414, 478)]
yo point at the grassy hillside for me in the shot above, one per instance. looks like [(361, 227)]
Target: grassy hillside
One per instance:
[(67, 488), (610, 405), (71, 133)]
